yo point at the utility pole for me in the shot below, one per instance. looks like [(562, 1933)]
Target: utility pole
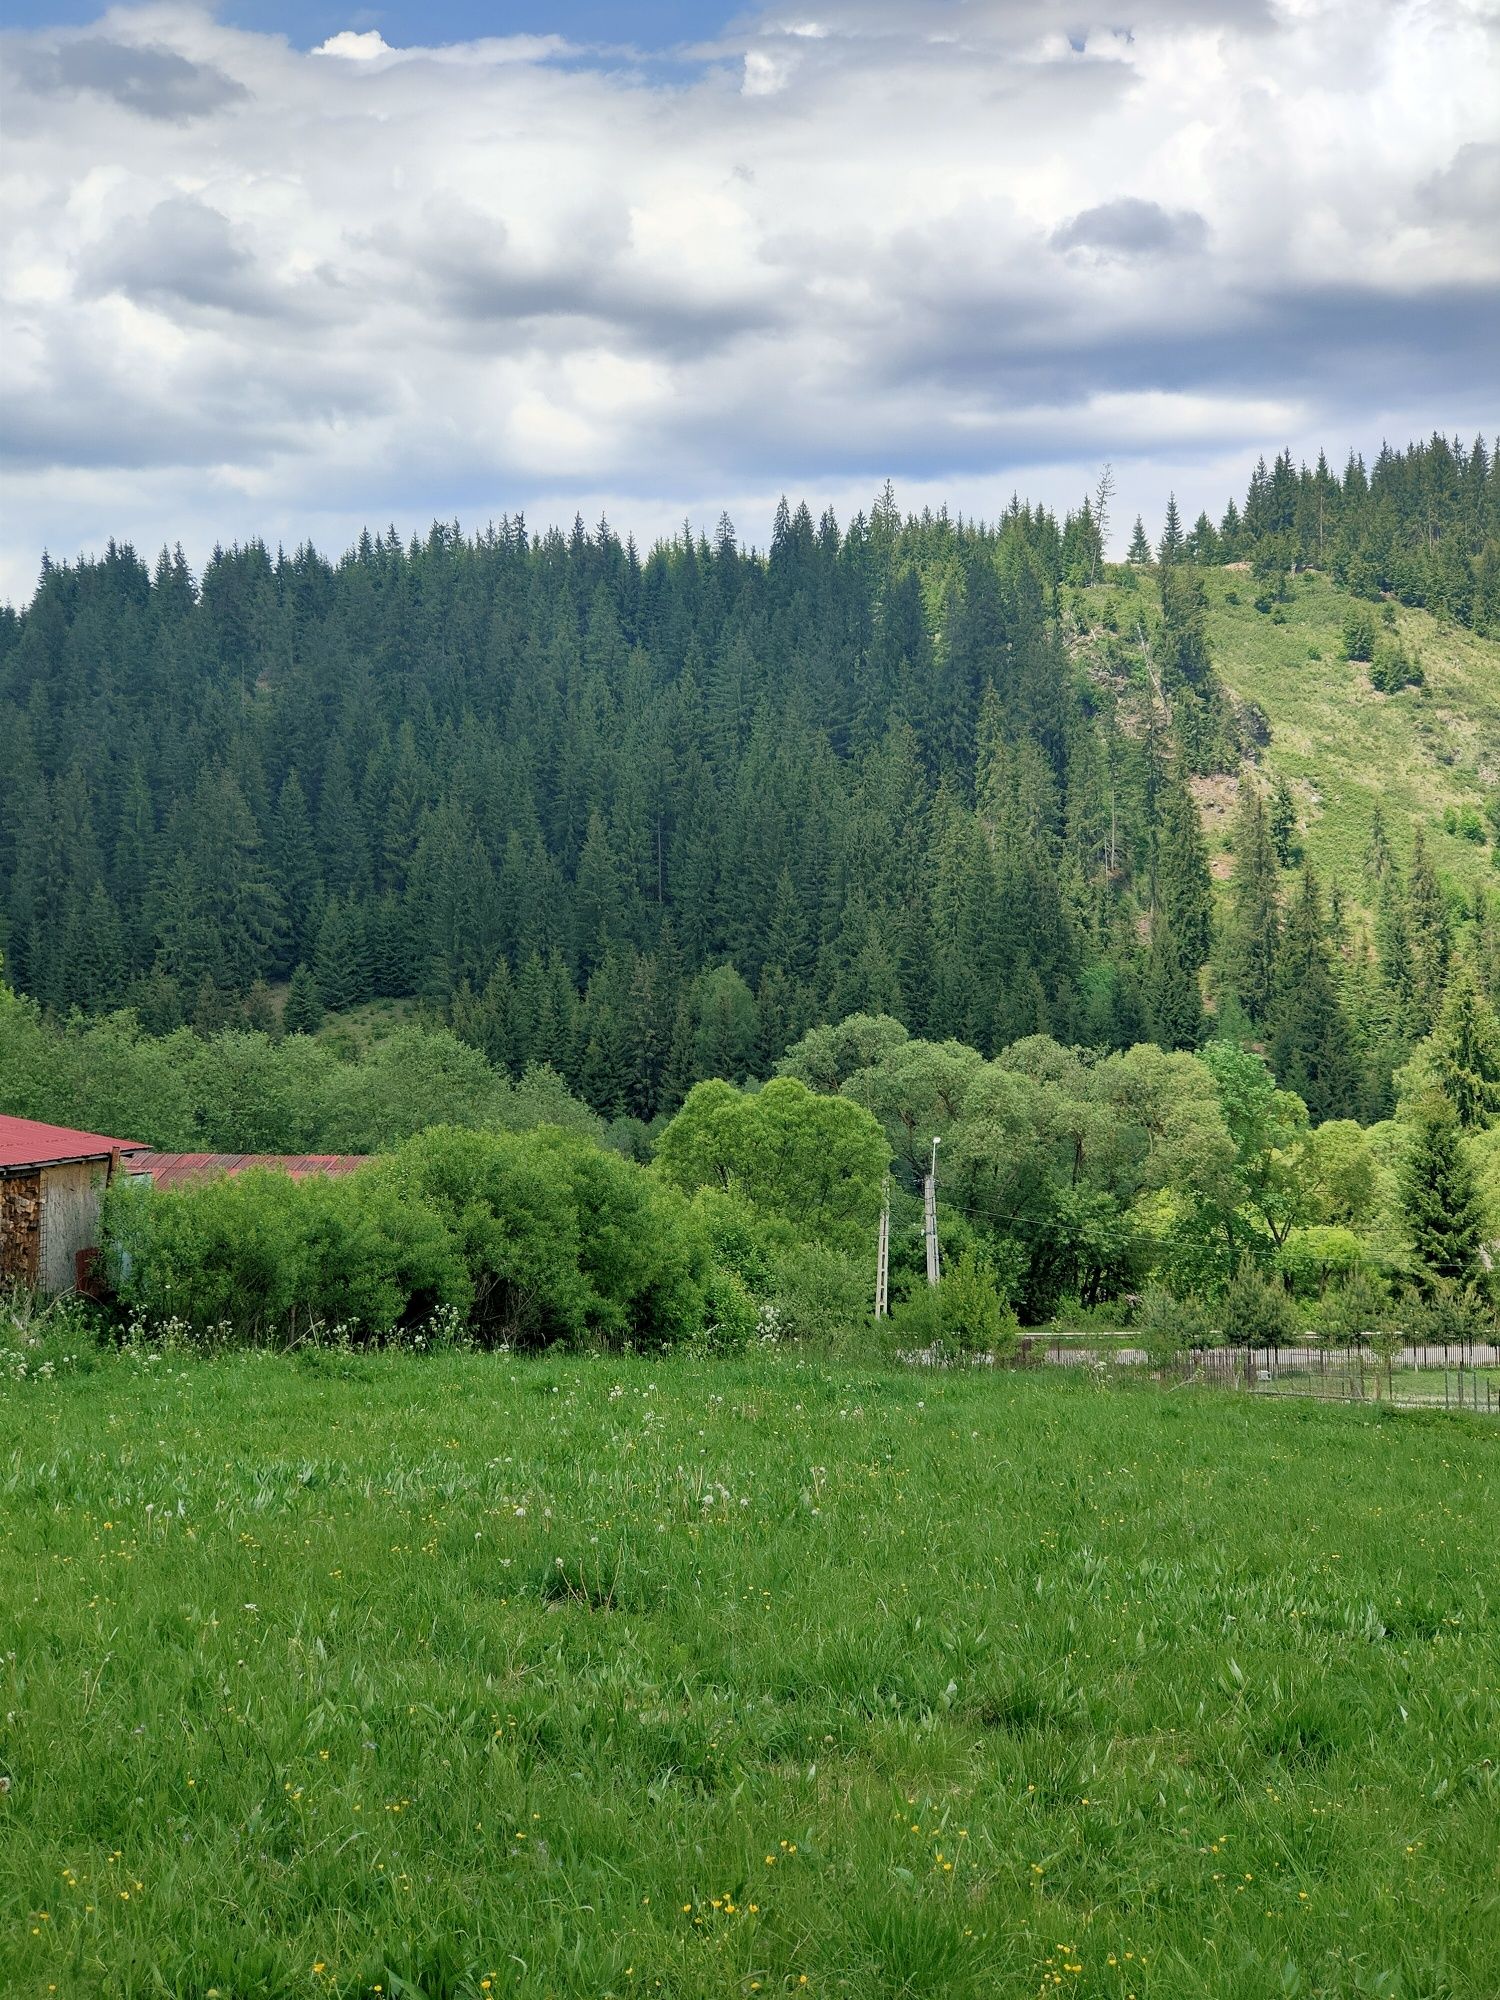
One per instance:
[(929, 1203), (883, 1257)]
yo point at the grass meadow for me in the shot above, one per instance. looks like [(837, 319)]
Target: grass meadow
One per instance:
[(1341, 746), (457, 1676)]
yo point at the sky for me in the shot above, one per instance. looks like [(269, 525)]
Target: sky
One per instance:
[(287, 270)]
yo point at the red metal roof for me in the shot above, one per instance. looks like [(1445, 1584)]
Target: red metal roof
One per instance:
[(25, 1143), (183, 1169)]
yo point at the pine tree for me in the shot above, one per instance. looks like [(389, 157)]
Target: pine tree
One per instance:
[(1283, 823), (1440, 1199), (1311, 1045), (1253, 927), (303, 1012), (1139, 551), (1463, 1053), (1170, 548)]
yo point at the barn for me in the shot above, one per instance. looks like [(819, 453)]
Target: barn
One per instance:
[(51, 1179)]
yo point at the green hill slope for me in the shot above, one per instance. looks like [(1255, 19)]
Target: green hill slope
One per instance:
[(1342, 746)]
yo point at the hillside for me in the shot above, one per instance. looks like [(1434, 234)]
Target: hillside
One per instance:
[(1342, 746), (648, 819)]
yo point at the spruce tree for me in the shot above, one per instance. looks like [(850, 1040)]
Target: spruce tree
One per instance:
[(1170, 548), (1283, 823), (1463, 1053), (1253, 926), (1139, 551), (1440, 1200), (1311, 1046), (1431, 934), (303, 1012)]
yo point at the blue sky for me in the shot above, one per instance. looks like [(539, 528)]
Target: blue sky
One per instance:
[(260, 286)]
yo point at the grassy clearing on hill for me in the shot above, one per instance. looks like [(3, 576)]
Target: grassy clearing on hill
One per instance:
[(1341, 746), (462, 1676)]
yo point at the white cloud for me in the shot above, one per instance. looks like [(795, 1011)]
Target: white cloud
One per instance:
[(248, 289), (354, 47)]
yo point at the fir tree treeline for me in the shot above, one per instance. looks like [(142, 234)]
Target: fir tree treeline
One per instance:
[(1422, 525), (646, 819), (642, 820)]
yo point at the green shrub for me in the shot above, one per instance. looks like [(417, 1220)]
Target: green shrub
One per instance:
[(261, 1257), (1257, 1311), (732, 1319), (820, 1294), (1464, 823), (1448, 1315), (1355, 1312), (1168, 1326), (1393, 668), (964, 1314), (535, 1238)]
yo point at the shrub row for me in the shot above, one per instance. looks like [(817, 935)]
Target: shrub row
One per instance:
[(531, 1238)]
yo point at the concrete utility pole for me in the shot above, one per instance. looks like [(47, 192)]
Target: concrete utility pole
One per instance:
[(929, 1203), (883, 1258)]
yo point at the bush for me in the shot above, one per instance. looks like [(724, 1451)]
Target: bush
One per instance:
[(1356, 1312), (820, 1294), (732, 1319), (1464, 822), (1448, 1315), (264, 1258), (1393, 668), (1169, 1326), (535, 1238), (1257, 1311), (964, 1314)]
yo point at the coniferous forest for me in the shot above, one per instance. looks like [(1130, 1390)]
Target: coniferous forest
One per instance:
[(648, 818)]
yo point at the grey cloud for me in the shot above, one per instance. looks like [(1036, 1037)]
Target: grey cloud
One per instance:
[(478, 278), (186, 253), (1467, 189), (1131, 227), (154, 81), (183, 251), (232, 408)]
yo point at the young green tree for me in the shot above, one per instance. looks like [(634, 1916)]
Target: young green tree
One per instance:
[(1252, 932), (1283, 823), (303, 1012), (1440, 1199), (1311, 1050), (1463, 1053), (1170, 548)]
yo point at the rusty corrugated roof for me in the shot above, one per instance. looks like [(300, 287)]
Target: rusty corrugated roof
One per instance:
[(183, 1169), (25, 1143)]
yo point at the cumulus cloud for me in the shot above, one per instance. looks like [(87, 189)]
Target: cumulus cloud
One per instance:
[(253, 289), (156, 82), (1130, 227)]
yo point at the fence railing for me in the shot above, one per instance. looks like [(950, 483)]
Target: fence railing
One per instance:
[(1425, 1375)]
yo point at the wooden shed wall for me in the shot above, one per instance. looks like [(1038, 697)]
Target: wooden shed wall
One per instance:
[(70, 1219)]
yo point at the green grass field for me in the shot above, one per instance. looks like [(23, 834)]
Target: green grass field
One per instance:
[(465, 1676)]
